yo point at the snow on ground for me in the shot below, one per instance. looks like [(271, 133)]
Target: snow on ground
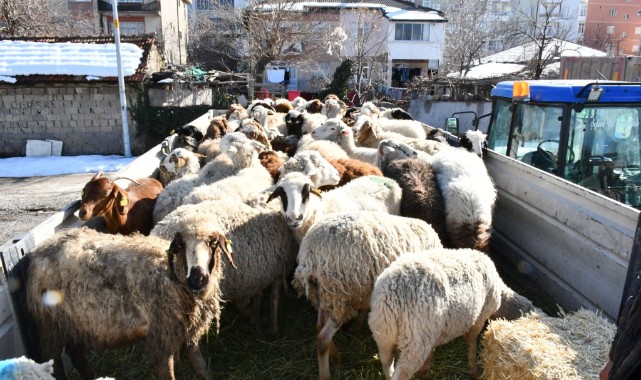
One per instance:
[(55, 165)]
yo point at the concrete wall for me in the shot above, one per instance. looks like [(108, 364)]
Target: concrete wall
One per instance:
[(85, 117), (434, 113), (179, 97)]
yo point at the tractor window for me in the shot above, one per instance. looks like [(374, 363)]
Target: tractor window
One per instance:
[(500, 129), (537, 135), (604, 150)]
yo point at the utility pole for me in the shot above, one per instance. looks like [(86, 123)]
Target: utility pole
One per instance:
[(121, 83)]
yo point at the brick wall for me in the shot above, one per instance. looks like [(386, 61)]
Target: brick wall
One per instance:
[(85, 117)]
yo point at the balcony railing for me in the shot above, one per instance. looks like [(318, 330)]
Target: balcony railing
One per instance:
[(150, 6)]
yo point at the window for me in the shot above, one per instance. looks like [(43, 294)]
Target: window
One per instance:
[(132, 28), (412, 32), (427, 3), (205, 5), (584, 10), (613, 12), (128, 1), (610, 29), (360, 30), (581, 27), (635, 48), (637, 30), (626, 17), (624, 34)]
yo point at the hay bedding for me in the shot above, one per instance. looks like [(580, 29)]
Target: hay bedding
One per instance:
[(537, 346)]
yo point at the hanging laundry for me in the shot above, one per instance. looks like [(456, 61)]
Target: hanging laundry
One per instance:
[(275, 75)]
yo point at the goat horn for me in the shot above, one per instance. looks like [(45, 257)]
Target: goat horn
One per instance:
[(128, 179)]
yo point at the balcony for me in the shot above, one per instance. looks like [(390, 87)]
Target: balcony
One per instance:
[(148, 6)]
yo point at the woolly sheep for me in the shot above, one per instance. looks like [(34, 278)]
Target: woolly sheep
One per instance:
[(302, 210), (328, 149), (408, 128), (110, 291), (239, 186), (421, 195), (24, 368), (298, 102), (426, 299), (217, 128), (333, 108), (336, 130), (283, 105), (474, 141), (349, 169), (210, 148), (369, 134), (180, 162), (339, 260), (312, 164), (396, 114), (469, 196), (272, 162), (263, 247), (239, 152), (370, 109), (390, 150)]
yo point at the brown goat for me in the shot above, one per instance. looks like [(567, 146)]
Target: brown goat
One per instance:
[(85, 289), (124, 211)]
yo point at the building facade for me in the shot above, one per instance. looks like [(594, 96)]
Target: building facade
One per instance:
[(614, 26), (167, 19)]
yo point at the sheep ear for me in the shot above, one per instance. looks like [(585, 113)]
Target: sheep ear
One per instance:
[(310, 170), (276, 193), (171, 252), (316, 192), (225, 246), (232, 149)]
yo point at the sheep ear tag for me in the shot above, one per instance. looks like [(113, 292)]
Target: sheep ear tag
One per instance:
[(124, 201), (228, 245)]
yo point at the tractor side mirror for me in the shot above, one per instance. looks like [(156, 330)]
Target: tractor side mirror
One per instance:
[(451, 125)]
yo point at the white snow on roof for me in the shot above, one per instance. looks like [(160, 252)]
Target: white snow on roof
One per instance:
[(491, 70), (392, 13), (68, 58), (527, 51)]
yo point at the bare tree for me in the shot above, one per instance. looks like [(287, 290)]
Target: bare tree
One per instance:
[(40, 18), (600, 37), (471, 25), (545, 28)]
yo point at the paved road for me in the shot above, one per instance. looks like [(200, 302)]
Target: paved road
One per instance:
[(27, 202)]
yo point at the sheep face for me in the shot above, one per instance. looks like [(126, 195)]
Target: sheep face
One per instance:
[(98, 197), (193, 260), (474, 141), (329, 130), (174, 161), (188, 137), (294, 196), (294, 122)]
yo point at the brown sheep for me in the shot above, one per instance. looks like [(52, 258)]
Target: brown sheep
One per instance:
[(283, 106), (314, 106), (422, 197), (350, 168), (217, 128), (85, 289), (124, 211), (272, 162), (236, 108)]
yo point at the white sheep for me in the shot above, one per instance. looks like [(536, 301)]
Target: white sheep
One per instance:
[(298, 102), (408, 128), (370, 109), (180, 162), (263, 247), (311, 163), (390, 150), (371, 134), (469, 196), (302, 205), (172, 196), (334, 109), (25, 368), (326, 148), (429, 298), (339, 260), (336, 130), (85, 289), (474, 141)]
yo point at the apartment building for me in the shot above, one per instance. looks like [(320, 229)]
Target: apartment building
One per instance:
[(614, 26)]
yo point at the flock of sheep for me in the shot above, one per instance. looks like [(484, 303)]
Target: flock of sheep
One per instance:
[(359, 211)]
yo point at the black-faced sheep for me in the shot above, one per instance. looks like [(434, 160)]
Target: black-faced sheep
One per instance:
[(474, 141), (124, 210), (263, 247), (85, 289), (426, 299), (339, 260)]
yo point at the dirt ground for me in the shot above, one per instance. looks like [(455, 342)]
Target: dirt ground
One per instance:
[(27, 202)]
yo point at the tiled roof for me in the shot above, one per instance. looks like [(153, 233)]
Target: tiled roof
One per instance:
[(145, 42)]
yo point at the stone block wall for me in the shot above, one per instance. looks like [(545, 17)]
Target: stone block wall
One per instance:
[(85, 117)]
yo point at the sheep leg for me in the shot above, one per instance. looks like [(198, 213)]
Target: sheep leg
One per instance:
[(321, 320), (324, 344), (274, 301), (164, 363), (254, 306), (470, 341), (79, 360), (358, 322), (197, 361), (427, 365)]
